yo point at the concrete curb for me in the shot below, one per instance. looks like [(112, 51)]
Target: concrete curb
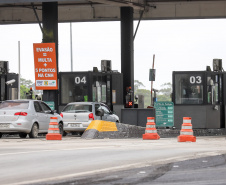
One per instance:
[(131, 131), (124, 131)]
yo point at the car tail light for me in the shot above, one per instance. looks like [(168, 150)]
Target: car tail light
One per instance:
[(91, 117), (61, 115), (20, 114)]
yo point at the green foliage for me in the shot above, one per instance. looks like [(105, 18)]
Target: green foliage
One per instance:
[(24, 87), (147, 96), (23, 91), (163, 98), (137, 84), (26, 83), (164, 93), (166, 89)]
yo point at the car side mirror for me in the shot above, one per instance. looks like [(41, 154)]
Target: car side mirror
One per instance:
[(100, 112), (49, 112)]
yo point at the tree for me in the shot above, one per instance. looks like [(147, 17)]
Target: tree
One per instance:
[(165, 92), (26, 83), (23, 91), (147, 96), (25, 86), (137, 84)]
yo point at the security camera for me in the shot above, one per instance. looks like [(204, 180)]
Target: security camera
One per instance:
[(10, 82), (155, 90)]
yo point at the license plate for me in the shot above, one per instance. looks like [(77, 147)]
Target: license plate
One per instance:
[(4, 125), (75, 125)]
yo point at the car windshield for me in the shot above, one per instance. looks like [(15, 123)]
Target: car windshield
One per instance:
[(14, 105), (78, 108)]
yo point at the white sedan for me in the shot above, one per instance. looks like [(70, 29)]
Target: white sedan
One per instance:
[(26, 117), (78, 115)]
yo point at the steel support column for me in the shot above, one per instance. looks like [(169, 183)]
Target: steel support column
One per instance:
[(50, 34), (127, 54)]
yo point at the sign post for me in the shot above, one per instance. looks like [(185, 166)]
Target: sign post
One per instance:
[(45, 66)]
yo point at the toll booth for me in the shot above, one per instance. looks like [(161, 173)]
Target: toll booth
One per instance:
[(106, 87), (8, 82), (200, 95)]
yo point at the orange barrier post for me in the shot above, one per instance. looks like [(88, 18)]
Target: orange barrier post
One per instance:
[(186, 133), (150, 131), (53, 131)]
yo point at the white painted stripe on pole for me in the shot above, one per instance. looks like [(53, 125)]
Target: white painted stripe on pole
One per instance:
[(186, 133), (150, 131), (150, 126), (187, 121), (186, 127)]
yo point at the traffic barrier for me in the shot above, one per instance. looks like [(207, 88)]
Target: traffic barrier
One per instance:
[(53, 131), (99, 127), (150, 131), (186, 133)]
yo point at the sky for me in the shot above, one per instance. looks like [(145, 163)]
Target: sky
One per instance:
[(178, 45)]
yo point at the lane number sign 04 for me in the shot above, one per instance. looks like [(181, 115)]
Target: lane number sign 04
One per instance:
[(79, 80), (195, 79)]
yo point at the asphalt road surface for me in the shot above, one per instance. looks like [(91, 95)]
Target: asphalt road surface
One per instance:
[(112, 161), (201, 171)]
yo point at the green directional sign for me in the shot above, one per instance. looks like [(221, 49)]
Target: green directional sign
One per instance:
[(50, 104), (164, 114)]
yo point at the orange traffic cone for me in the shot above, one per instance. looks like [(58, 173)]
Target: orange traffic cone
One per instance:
[(186, 133), (53, 131), (150, 131)]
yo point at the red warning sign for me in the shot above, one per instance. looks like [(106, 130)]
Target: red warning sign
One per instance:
[(45, 66)]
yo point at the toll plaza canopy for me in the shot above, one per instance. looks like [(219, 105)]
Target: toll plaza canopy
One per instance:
[(27, 11)]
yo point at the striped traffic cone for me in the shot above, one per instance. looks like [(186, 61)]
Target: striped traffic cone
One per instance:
[(53, 131), (150, 131), (186, 133)]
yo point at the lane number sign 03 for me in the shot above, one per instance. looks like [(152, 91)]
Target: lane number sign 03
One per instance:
[(80, 80), (195, 79)]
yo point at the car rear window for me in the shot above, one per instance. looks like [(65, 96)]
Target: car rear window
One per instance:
[(78, 108), (14, 105)]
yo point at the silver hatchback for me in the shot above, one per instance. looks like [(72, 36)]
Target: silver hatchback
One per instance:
[(78, 115), (26, 117)]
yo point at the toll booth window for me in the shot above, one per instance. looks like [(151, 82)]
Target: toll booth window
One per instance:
[(74, 108), (214, 89), (99, 88), (74, 88), (188, 89)]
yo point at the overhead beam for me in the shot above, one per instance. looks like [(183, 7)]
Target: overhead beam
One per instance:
[(14, 14)]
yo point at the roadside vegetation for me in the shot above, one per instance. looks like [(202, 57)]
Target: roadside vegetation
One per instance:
[(163, 94), (25, 86)]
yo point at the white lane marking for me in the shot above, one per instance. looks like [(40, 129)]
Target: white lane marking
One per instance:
[(89, 148)]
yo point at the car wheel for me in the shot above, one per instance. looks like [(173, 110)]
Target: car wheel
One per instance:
[(34, 131), (64, 133), (0, 135), (22, 135), (61, 129)]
